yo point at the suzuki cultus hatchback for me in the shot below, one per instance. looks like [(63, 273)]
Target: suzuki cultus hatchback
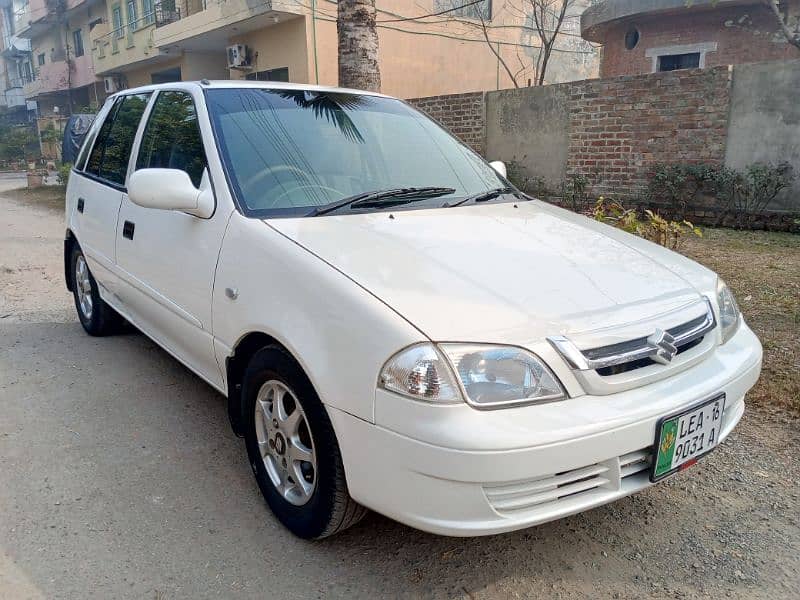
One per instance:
[(394, 325)]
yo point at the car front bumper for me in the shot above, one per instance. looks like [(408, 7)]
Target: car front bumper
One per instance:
[(461, 472)]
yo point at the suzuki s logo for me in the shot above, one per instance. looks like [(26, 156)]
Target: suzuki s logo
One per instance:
[(663, 346)]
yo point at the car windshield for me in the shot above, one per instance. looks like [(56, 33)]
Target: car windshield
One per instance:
[(289, 152)]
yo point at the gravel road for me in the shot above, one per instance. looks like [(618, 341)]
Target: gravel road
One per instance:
[(120, 478)]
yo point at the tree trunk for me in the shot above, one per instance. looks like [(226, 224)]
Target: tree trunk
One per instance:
[(358, 45), (792, 36)]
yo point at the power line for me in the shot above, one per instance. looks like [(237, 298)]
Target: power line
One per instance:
[(436, 14), (332, 19)]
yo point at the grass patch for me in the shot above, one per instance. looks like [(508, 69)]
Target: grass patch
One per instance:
[(50, 197), (763, 270)]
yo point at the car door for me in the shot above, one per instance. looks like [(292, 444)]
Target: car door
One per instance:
[(96, 188), (166, 258)]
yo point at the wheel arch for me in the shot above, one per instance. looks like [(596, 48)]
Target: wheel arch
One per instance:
[(235, 366), (70, 242)]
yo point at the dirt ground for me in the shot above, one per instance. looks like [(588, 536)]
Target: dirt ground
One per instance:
[(120, 478)]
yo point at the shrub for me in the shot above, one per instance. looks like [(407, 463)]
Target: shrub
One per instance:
[(675, 185), (17, 143), (63, 173), (573, 192), (746, 194), (651, 226), (530, 184), (738, 194)]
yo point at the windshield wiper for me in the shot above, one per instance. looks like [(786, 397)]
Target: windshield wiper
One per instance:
[(380, 198), (484, 196)]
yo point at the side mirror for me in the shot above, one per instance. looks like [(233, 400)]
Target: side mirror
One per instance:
[(171, 189), (500, 167)]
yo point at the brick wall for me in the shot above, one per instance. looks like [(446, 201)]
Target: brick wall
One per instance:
[(743, 34), (619, 129), (614, 131), (462, 114)]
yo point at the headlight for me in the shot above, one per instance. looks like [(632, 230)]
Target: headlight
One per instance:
[(729, 317), (421, 372), (497, 376)]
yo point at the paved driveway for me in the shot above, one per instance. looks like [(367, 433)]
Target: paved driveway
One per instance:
[(120, 478)]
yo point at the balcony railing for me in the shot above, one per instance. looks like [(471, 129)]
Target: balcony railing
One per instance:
[(166, 13)]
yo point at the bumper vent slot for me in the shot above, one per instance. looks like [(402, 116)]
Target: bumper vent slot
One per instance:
[(635, 462), (544, 493)]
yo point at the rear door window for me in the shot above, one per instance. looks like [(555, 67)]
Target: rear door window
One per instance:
[(112, 150)]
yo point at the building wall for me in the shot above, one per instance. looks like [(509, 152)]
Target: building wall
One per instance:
[(742, 34), (193, 66), (277, 46), (75, 78), (435, 55), (445, 55), (141, 75)]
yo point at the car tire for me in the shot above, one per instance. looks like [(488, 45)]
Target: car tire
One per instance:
[(97, 317), (318, 505)]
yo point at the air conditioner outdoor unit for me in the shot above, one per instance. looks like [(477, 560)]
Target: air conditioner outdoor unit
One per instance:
[(237, 56), (111, 84)]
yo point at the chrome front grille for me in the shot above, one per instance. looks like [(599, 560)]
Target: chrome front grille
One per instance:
[(574, 486), (660, 347)]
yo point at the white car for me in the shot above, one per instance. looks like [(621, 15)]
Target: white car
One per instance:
[(394, 325)]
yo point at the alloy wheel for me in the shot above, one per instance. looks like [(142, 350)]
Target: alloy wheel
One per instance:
[(83, 287), (285, 443)]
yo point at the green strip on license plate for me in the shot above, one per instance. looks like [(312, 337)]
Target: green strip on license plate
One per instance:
[(666, 447)]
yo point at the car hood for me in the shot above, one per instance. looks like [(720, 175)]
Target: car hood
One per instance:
[(505, 273)]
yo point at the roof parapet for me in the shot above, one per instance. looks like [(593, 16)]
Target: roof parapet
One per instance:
[(596, 19)]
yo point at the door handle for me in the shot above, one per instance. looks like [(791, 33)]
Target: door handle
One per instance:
[(127, 230), (80, 205)]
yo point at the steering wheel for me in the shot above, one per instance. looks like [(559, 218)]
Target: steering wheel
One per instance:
[(304, 186), (269, 171)]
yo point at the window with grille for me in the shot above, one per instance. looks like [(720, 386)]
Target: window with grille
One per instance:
[(77, 42), (674, 62)]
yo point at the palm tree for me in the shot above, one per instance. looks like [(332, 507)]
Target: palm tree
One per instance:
[(358, 45)]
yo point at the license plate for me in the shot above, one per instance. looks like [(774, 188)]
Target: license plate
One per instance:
[(684, 437)]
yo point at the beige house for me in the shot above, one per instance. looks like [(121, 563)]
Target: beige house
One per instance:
[(429, 47)]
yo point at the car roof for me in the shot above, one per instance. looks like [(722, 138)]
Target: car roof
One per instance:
[(241, 84)]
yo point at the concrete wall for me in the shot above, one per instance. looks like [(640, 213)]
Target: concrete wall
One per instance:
[(765, 121), (528, 129)]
